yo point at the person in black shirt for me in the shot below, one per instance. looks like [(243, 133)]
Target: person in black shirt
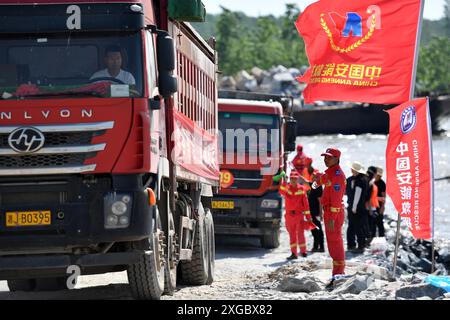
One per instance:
[(315, 207), (357, 196)]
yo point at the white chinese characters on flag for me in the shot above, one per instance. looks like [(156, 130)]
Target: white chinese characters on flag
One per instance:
[(409, 166)]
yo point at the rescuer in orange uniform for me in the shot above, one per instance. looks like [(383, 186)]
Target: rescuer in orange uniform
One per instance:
[(297, 217), (299, 161), (333, 181)]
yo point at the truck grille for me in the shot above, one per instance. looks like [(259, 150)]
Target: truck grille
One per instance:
[(246, 179), (58, 139), (44, 161), (65, 149)]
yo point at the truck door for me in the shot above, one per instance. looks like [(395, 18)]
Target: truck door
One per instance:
[(153, 92)]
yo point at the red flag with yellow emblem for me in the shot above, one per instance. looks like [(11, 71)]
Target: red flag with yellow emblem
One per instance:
[(360, 50)]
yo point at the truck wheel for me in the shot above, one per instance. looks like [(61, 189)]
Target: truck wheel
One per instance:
[(272, 240), (22, 285), (195, 271), (170, 274), (146, 278), (209, 222)]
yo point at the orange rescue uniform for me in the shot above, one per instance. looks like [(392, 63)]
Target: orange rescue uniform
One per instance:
[(297, 214), (334, 182), (300, 162)]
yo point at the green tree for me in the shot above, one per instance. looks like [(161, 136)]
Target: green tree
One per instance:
[(293, 45), (235, 45), (447, 17), (433, 76), (227, 32), (268, 45)]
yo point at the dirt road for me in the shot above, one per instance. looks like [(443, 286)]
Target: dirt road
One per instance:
[(241, 265), (243, 271)]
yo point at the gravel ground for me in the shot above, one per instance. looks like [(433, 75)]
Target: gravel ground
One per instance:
[(246, 271)]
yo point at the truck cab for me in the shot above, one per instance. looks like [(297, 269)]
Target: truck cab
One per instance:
[(254, 143)]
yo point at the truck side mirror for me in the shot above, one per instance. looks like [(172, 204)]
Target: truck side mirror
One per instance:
[(291, 134), (167, 82)]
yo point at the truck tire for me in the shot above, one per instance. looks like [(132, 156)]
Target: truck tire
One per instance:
[(195, 271), (146, 278), (22, 285), (209, 222), (170, 274), (272, 240)]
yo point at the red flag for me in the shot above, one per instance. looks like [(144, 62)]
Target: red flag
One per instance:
[(409, 165), (360, 50)]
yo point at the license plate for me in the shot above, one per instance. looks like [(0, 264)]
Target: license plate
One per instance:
[(28, 218), (223, 204)]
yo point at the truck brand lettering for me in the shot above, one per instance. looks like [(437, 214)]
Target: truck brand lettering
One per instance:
[(74, 20), (65, 113), (5, 115), (86, 113)]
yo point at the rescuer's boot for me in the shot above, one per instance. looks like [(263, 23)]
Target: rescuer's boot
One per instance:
[(330, 285), (292, 257)]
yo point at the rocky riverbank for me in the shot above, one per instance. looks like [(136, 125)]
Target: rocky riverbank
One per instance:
[(370, 275)]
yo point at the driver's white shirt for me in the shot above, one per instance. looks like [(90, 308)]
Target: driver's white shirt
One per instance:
[(124, 76)]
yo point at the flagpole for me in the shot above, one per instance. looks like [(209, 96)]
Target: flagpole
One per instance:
[(433, 260), (397, 237), (416, 51), (430, 141)]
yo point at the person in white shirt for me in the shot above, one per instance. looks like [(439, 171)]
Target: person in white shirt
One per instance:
[(113, 62)]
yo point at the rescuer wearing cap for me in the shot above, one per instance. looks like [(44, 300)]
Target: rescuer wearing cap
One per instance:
[(333, 181), (297, 217), (357, 191), (299, 161)]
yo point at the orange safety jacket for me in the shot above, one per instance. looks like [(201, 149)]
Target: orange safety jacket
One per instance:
[(334, 182), (374, 202), (299, 162), (295, 197)]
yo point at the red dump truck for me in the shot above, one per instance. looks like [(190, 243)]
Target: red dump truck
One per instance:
[(108, 156), (257, 132)]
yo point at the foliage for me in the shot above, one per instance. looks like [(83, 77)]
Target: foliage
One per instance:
[(433, 76)]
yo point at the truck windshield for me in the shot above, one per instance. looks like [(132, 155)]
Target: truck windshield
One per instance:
[(249, 132), (43, 66)]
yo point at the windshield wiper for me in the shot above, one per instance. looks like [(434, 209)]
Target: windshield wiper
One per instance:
[(90, 93)]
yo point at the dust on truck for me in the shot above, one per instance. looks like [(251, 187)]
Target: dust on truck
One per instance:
[(257, 132), (96, 173)]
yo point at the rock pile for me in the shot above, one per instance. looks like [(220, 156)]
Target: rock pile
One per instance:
[(370, 274), (277, 80)]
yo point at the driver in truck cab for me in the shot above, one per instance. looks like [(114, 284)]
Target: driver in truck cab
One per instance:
[(113, 62)]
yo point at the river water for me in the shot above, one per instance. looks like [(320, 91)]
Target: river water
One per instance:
[(369, 149)]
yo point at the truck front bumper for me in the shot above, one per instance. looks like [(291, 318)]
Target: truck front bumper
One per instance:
[(247, 217), (77, 206), (20, 267)]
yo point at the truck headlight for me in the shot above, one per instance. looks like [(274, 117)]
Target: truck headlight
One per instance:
[(270, 203), (117, 210)]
